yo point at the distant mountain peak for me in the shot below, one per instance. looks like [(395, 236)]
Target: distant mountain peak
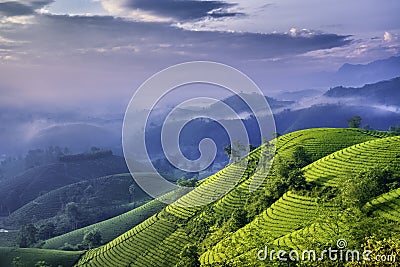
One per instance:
[(383, 92), (359, 74)]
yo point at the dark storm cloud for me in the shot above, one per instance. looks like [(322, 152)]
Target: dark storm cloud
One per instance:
[(21, 8), (15, 9), (183, 9)]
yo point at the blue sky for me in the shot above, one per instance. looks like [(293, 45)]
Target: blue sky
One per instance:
[(69, 53)]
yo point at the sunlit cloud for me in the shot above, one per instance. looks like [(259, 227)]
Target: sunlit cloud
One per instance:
[(387, 36), (360, 50), (22, 20)]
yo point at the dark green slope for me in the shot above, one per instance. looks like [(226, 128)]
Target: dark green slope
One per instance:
[(100, 197), (18, 191)]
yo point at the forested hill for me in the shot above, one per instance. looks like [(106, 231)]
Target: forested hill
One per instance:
[(384, 92)]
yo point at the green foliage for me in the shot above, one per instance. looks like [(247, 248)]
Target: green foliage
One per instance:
[(354, 122), (27, 236), (379, 153), (28, 257), (296, 180), (388, 247), (46, 231), (187, 182), (188, 256), (229, 230), (357, 191), (228, 150), (301, 157), (394, 129), (113, 227), (42, 264), (235, 150), (16, 262), (237, 220), (72, 210), (92, 238)]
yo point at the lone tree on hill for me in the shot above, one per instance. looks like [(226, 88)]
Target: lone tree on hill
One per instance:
[(92, 238), (354, 122)]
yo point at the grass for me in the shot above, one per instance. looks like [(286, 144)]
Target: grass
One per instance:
[(290, 213), (29, 257), (21, 189), (157, 238), (331, 169), (8, 239), (113, 227), (318, 143), (387, 205), (89, 194)]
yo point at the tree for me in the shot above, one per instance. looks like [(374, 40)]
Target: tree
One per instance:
[(189, 256), (300, 157), (237, 220), (237, 149), (358, 190), (73, 213), (354, 122), (42, 264), (187, 182), (17, 262), (296, 180), (27, 236), (132, 189), (251, 148), (46, 231), (94, 149), (228, 151), (92, 238), (394, 129)]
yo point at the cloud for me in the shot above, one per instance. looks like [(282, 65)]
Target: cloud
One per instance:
[(387, 36), (15, 9), (73, 37), (21, 8), (169, 10), (358, 51), (22, 20), (76, 60)]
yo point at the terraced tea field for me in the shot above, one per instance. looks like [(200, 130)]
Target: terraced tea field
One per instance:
[(288, 214), (155, 234), (387, 205), (331, 169), (110, 228)]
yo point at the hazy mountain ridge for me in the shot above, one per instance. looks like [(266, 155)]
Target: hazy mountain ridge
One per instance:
[(19, 190), (383, 92), (358, 74)]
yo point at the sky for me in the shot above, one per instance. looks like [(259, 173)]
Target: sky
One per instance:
[(91, 55), (68, 62)]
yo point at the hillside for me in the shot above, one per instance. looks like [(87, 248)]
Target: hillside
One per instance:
[(380, 93), (115, 226), (29, 257), (19, 190), (356, 74), (165, 234), (96, 198), (291, 219), (325, 115), (281, 213)]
